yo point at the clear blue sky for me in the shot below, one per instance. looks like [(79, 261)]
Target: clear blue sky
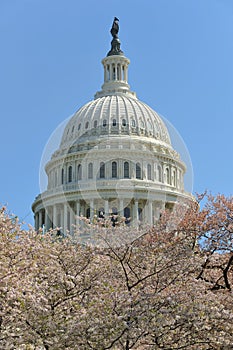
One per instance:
[(181, 54)]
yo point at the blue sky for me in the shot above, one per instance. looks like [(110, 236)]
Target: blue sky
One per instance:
[(181, 56)]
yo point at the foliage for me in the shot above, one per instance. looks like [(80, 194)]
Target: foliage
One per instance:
[(169, 287)]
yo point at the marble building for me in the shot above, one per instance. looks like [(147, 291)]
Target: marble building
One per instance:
[(115, 157)]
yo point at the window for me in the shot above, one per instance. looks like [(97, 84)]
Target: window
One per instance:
[(90, 171), (114, 122), (79, 172), (123, 122), (148, 171), (95, 124), (72, 129), (133, 123), (142, 124), (104, 123), (138, 171), (79, 126), (159, 173), (86, 125), (70, 174), (114, 169), (62, 176), (126, 170), (102, 170), (167, 176)]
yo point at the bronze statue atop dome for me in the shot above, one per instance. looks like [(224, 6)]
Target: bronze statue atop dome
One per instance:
[(115, 43), (115, 28)]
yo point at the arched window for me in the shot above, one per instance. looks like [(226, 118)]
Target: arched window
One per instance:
[(72, 128), (102, 170), (79, 172), (149, 172), (114, 122), (104, 123), (123, 122), (90, 171), (133, 123), (70, 174), (138, 171), (79, 126), (95, 124), (62, 176), (86, 125), (114, 169), (126, 170)]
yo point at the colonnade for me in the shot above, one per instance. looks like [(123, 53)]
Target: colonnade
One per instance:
[(67, 215)]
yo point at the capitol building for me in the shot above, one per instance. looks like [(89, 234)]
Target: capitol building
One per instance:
[(115, 158)]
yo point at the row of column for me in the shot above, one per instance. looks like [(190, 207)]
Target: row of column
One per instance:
[(66, 215), (115, 71)]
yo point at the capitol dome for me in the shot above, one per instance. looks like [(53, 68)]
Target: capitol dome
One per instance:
[(115, 115), (115, 158)]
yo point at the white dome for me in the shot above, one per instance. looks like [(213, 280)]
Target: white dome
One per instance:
[(115, 156), (115, 115)]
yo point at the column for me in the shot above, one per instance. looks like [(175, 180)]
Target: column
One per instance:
[(157, 213), (62, 218), (40, 218), (121, 207), (91, 209), (126, 73), (54, 216), (36, 221), (135, 213), (65, 211), (106, 208), (72, 221), (150, 213), (110, 72), (120, 71), (46, 219), (105, 73), (77, 213)]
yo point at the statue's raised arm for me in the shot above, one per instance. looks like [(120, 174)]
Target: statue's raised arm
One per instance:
[(115, 28)]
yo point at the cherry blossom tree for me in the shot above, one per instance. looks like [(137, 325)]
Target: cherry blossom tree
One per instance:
[(165, 287)]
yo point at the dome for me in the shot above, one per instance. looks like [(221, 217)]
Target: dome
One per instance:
[(115, 115), (115, 158)]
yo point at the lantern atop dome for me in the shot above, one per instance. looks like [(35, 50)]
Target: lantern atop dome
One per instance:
[(115, 69)]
